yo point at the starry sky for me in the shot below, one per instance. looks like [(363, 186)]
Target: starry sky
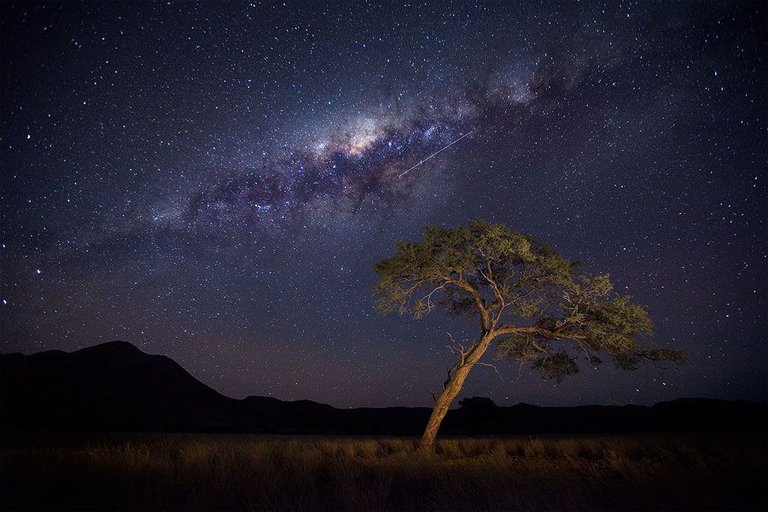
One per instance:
[(214, 181)]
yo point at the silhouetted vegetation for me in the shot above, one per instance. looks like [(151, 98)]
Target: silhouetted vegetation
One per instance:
[(215, 472)]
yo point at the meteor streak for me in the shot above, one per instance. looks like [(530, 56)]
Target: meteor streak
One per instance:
[(433, 154)]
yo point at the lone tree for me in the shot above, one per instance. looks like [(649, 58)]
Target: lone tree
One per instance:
[(529, 300)]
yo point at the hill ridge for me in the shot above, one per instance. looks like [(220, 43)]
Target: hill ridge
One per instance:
[(117, 386)]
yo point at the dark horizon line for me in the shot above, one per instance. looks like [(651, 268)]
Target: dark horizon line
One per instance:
[(134, 347)]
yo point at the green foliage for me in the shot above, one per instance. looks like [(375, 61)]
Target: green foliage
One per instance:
[(531, 300), (557, 365), (452, 257)]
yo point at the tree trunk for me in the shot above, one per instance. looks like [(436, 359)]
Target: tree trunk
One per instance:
[(449, 394)]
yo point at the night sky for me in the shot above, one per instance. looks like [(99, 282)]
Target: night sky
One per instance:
[(214, 182)]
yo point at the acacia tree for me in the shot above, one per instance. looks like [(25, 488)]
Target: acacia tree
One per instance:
[(528, 299)]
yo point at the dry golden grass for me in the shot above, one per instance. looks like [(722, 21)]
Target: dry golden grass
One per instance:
[(211, 472)]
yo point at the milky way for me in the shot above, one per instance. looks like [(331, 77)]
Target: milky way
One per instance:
[(215, 182), (341, 167)]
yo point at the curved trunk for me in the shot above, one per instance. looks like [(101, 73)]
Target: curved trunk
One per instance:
[(449, 394)]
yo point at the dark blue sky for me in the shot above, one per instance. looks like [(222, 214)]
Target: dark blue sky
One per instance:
[(214, 181)]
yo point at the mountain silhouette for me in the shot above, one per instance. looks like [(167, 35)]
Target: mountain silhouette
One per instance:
[(109, 386), (117, 387)]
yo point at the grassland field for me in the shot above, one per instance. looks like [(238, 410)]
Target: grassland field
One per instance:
[(239, 472)]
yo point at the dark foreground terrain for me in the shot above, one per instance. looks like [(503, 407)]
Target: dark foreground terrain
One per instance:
[(241, 472), (61, 448)]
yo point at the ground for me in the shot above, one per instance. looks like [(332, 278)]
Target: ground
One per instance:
[(240, 472)]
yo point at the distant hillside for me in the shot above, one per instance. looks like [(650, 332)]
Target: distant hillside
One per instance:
[(115, 386)]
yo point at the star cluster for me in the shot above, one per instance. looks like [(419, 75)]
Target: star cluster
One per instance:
[(215, 181)]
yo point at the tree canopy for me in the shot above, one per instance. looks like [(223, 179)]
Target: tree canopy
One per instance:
[(544, 312)]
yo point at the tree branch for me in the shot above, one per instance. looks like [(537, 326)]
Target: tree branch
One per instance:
[(464, 285), (427, 299), (535, 329), (493, 366)]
